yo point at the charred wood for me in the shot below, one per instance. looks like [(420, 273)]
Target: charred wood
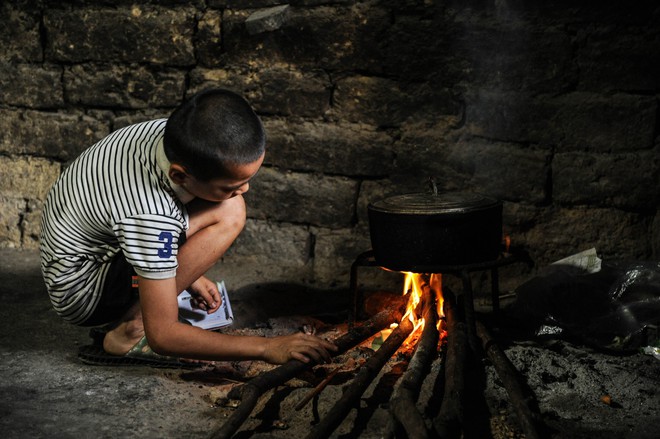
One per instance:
[(448, 423), (403, 403), (318, 389), (521, 400), (250, 392), (364, 377)]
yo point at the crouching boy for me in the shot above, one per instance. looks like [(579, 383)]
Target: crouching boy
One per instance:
[(159, 203)]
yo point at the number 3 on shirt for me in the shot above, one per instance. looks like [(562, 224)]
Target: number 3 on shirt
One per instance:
[(166, 250)]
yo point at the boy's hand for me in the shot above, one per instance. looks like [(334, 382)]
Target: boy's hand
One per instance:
[(204, 295), (298, 346)]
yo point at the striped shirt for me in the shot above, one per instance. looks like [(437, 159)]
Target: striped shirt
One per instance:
[(115, 197)]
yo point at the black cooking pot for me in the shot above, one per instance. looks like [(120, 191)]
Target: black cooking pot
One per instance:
[(421, 232)]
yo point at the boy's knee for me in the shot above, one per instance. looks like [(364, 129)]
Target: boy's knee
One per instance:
[(231, 215), (234, 213), (226, 217)]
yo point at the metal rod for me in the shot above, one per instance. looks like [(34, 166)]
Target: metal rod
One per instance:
[(363, 260), (468, 306), (495, 290)]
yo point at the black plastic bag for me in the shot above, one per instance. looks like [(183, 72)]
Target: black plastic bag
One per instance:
[(610, 309)]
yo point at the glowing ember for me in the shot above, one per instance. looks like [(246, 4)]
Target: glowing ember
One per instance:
[(507, 243)]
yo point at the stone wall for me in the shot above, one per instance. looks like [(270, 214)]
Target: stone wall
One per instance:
[(551, 108)]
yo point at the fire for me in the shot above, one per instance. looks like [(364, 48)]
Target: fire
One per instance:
[(507, 243), (414, 286)]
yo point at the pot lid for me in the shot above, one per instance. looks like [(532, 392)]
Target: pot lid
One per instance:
[(419, 203)]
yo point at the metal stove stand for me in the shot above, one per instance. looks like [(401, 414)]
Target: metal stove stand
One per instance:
[(464, 298)]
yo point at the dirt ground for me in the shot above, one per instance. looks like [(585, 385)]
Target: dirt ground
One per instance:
[(585, 394), (579, 393), (45, 391)]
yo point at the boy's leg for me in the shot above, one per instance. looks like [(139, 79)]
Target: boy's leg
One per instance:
[(213, 228), (118, 293)]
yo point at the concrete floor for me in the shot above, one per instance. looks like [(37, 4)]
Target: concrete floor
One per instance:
[(45, 391)]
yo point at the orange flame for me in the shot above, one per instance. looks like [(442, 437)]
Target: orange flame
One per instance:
[(507, 243), (414, 285)]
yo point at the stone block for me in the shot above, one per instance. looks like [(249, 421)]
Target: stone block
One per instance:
[(31, 224), (292, 92), (137, 34), (386, 102), (267, 252), (517, 217), (20, 39), (332, 148), (275, 89), (24, 184), (302, 198), (602, 123), (370, 192), (505, 116), (329, 36), (422, 152), (562, 232), (335, 251), (54, 135), (617, 59), (289, 244), (626, 181), (235, 79), (514, 55), (32, 86), (502, 170), (208, 44), (11, 210), (123, 86), (576, 121), (410, 47), (27, 177)]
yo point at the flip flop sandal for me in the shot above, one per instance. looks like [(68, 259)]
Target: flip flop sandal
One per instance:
[(97, 333), (140, 355)]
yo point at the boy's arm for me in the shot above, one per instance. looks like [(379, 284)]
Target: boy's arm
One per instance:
[(166, 335)]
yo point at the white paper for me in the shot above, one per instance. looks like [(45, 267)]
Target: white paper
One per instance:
[(587, 260), (197, 317)]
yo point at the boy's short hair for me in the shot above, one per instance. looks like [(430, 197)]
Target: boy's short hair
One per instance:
[(213, 128)]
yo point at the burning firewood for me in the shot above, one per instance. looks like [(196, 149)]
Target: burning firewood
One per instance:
[(450, 418), (403, 402), (364, 377), (462, 350), (250, 392)]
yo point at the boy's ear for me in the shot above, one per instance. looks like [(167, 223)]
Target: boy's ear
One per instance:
[(178, 174)]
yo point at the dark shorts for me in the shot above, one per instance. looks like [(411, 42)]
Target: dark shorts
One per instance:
[(119, 293)]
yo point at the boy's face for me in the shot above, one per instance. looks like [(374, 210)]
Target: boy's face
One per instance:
[(235, 181)]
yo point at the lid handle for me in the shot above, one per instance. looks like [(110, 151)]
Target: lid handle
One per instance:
[(433, 186)]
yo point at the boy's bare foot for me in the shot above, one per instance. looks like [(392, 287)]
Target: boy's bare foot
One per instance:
[(121, 339), (126, 334)]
